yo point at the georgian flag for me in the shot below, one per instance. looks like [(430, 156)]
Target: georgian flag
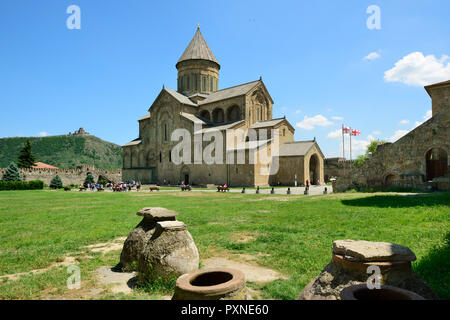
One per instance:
[(355, 133), (346, 130)]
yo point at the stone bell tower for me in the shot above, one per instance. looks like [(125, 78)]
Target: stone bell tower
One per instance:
[(198, 68)]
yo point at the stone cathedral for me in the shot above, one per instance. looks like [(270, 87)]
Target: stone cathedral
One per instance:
[(200, 107)]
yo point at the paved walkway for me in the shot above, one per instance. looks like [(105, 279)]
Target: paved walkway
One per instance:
[(313, 190)]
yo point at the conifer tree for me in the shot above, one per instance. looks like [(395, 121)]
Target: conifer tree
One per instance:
[(89, 179), (12, 173), (56, 183), (26, 157)]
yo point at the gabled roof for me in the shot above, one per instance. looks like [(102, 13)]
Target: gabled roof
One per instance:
[(135, 142), (176, 95), (193, 118), (198, 49), (147, 116), (220, 127), (249, 145), (41, 165), (296, 148), (230, 92), (180, 97)]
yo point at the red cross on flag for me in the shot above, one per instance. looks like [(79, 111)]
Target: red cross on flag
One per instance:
[(355, 133), (346, 130)]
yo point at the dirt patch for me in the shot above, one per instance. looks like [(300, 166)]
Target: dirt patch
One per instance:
[(243, 237), (252, 272), (67, 261), (118, 282), (105, 247)]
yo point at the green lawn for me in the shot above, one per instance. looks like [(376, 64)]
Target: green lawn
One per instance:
[(294, 233)]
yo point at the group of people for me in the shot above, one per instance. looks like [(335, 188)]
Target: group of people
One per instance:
[(92, 186), (122, 186)]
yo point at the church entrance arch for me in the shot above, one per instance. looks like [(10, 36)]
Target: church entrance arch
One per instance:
[(185, 175), (314, 169), (436, 163)]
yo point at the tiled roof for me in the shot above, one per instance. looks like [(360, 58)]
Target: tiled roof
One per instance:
[(198, 49), (296, 148), (41, 165), (229, 92)]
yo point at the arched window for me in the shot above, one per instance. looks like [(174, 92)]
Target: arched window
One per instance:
[(233, 113), (218, 115), (205, 114)]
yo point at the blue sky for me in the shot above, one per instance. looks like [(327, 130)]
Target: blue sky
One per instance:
[(321, 64)]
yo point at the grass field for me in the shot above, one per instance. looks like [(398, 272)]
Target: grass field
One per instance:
[(290, 234)]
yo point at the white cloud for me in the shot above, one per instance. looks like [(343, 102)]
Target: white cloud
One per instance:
[(415, 69), (372, 56), (376, 132), (310, 123), (335, 134), (425, 118), (397, 135), (337, 118), (43, 134), (298, 111), (404, 122)]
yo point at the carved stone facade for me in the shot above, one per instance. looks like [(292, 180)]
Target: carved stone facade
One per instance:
[(419, 159), (204, 111)]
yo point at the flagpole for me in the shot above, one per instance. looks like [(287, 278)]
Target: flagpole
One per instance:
[(343, 148), (350, 148)]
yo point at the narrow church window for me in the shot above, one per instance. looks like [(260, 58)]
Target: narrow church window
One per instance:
[(160, 157), (165, 131), (204, 83), (284, 132), (170, 156)]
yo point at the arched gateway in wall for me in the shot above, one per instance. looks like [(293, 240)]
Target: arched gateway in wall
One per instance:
[(436, 163)]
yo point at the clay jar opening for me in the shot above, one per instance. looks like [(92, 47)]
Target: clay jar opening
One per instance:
[(362, 292), (211, 279)]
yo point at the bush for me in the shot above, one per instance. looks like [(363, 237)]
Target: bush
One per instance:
[(67, 188), (56, 183), (21, 185)]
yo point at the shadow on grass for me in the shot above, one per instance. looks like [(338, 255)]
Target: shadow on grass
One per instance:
[(434, 269), (400, 201)]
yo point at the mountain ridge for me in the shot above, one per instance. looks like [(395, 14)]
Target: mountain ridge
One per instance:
[(64, 151)]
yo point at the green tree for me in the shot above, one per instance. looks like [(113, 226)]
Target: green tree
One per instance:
[(26, 157), (56, 183), (89, 179), (359, 160), (371, 148), (12, 173)]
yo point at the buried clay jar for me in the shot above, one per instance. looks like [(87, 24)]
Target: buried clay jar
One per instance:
[(211, 284)]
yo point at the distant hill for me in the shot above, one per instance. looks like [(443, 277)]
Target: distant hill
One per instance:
[(65, 151)]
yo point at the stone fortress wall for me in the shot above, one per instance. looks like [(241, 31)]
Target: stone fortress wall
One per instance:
[(69, 176), (420, 159)]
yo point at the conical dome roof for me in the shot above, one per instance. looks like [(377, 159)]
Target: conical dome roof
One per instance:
[(198, 49)]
